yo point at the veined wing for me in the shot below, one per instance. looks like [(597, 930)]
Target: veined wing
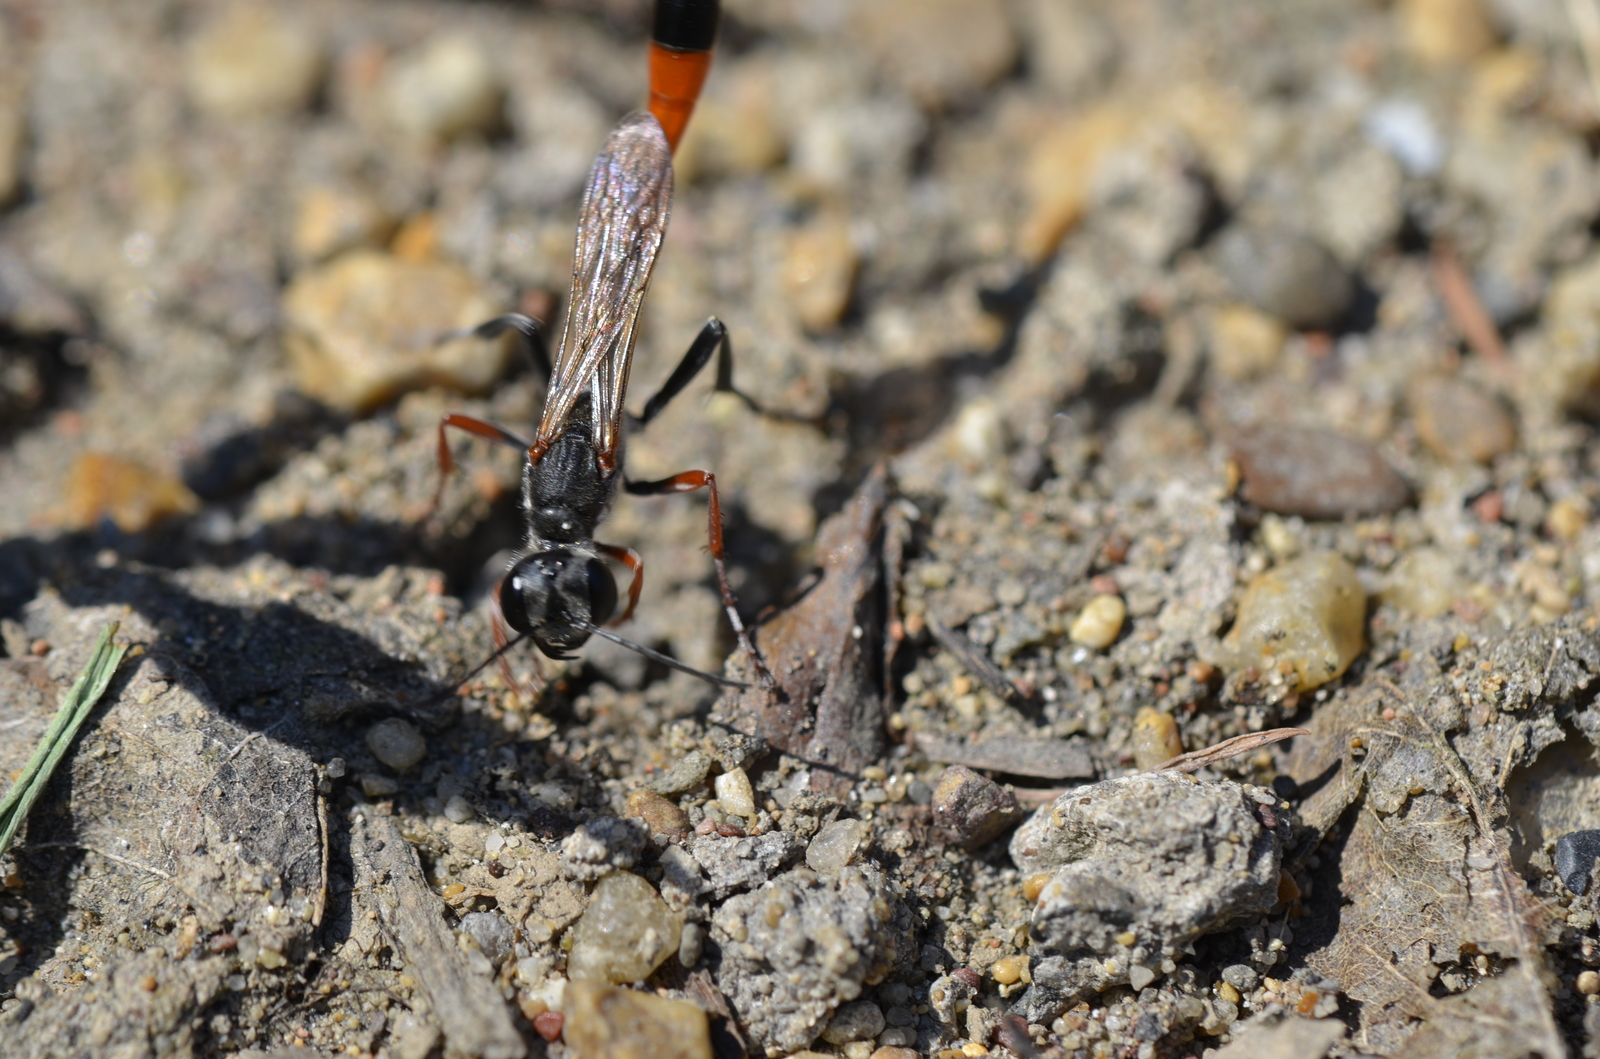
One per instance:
[(620, 225)]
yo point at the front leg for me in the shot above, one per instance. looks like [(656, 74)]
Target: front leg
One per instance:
[(688, 482)]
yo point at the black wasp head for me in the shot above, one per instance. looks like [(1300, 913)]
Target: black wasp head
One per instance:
[(555, 597)]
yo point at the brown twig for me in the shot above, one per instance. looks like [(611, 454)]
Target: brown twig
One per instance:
[(973, 661), (1466, 310), (1239, 744), (322, 889)]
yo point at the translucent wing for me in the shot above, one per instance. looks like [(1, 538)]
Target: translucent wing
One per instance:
[(620, 225)]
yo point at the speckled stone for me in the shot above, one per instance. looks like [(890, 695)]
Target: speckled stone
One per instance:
[(1139, 866), (802, 945), (602, 845)]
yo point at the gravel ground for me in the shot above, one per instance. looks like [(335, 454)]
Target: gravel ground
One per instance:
[(1138, 377)]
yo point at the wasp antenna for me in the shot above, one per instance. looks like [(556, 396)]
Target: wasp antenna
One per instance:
[(479, 668), (666, 660), (680, 55)]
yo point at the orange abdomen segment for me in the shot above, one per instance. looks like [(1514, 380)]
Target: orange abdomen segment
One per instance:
[(675, 80)]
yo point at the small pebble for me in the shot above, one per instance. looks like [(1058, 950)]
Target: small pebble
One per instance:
[(1286, 275), (1139, 977), (1567, 517), (100, 486), (1008, 969), (1306, 619), (895, 1052), (252, 61), (691, 944), (687, 773), (734, 792), (835, 845), (1317, 474), (860, 1020), (1034, 885), (1459, 422), (1228, 993), (973, 807), (549, 1024), (660, 815), (492, 933), (1588, 983), (447, 89), (362, 329), (605, 1022), (1099, 623), (396, 743), (1155, 738), (374, 786), (1575, 856), (1245, 343), (820, 270), (458, 810), (625, 934)]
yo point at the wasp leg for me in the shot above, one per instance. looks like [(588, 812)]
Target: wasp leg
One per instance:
[(688, 482), (629, 558), (526, 326), (476, 427), (713, 338)]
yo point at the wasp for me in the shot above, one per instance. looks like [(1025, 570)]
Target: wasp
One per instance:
[(558, 590)]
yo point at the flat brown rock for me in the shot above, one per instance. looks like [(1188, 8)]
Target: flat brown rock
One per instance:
[(1317, 474)]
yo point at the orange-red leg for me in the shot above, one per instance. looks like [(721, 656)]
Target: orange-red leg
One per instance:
[(629, 558), (476, 427), (688, 482)]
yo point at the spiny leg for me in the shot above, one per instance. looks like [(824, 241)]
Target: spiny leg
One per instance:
[(629, 558), (688, 482)]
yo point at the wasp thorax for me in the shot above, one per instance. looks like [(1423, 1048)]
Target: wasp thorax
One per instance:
[(555, 596)]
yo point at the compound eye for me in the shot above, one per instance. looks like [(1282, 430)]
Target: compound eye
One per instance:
[(514, 591), (602, 592)]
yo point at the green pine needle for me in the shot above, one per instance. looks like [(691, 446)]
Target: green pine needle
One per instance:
[(75, 709)]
